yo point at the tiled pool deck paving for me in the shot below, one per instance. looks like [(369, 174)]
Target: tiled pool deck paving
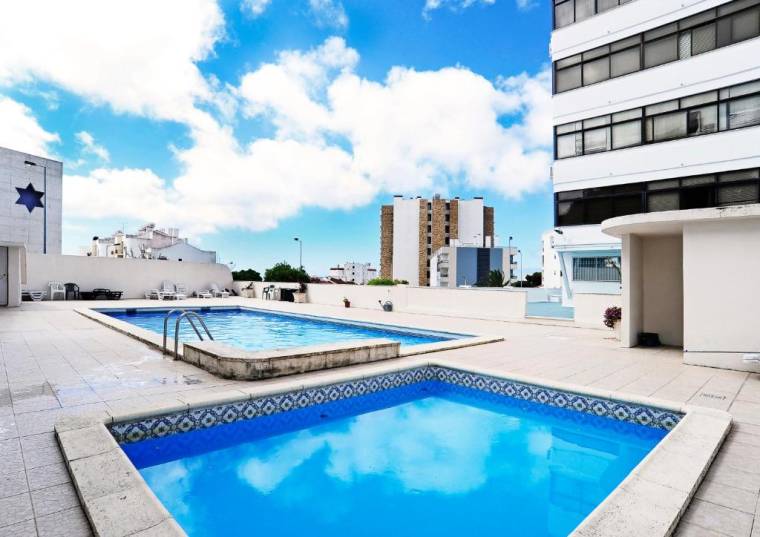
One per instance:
[(54, 361)]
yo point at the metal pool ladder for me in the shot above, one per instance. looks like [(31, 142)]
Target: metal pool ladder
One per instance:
[(191, 318)]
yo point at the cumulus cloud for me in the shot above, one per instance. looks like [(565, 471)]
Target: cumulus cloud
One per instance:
[(338, 139), (455, 5), (255, 7), (91, 147), (20, 130), (329, 13), (114, 53)]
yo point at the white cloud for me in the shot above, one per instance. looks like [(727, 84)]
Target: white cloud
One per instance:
[(20, 130), (525, 5), (456, 5), (329, 13), (138, 57), (255, 7), (90, 146)]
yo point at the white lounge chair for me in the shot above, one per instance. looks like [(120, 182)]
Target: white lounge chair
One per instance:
[(57, 288), (204, 294), (219, 293), (180, 292), (34, 296), (153, 294), (167, 290)]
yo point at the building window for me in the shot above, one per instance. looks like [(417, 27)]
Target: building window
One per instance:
[(594, 205), (705, 113), (596, 269), (730, 23), (567, 12)]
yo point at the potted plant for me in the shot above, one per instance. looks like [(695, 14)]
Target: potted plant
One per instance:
[(612, 316), (346, 302)]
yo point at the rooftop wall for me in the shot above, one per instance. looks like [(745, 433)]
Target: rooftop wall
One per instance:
[(132, 276)]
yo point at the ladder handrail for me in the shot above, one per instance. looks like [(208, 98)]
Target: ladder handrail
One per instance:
[(166, 321), (190, 316)]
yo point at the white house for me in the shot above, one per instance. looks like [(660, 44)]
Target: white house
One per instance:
[(150, 242), (656, 126), (358, 273)]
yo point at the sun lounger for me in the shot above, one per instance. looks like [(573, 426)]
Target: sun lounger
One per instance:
[(180, 292), (219, 293), (167, 290)]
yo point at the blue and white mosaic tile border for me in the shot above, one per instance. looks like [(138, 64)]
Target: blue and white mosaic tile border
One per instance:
[(160, 426)]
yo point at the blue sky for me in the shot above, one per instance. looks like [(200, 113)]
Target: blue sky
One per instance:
[(246, 123)]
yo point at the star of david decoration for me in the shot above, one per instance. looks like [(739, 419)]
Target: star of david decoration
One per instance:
[(29, 197)]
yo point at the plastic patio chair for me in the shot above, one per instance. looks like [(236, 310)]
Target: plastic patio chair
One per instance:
[(57, 289)]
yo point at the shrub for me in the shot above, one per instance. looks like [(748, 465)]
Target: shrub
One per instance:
[(246, 275), (612, 315), (386, 281), (283, 272)]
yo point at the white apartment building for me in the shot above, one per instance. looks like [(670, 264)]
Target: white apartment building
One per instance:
[(467, 266), (551, 271), (350, 271), (150, 242), (30, 216), (412, 229), (657, 160)]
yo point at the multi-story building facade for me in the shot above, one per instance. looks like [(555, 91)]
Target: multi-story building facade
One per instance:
[(551, 272), (656, 118), (412, 229), (464, 266), (30, 216), (150, 242), (350, 271)]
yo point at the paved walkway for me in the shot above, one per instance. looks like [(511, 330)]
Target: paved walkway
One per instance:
[(54, 361)]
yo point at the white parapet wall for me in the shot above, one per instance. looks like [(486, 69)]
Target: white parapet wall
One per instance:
[(480, 303), (132, 276)]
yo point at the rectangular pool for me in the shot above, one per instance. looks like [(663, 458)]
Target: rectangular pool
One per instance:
[(254, 329), (427, 452)]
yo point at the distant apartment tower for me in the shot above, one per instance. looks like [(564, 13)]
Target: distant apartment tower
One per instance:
[(467, 266), (412, 229), (551, 271), (358, 273)]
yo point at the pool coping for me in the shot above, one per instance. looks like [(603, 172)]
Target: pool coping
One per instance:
[(649, 501), (217, 356)]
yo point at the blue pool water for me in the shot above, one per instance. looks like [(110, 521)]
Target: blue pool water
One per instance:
[(425, 460), (258, 329)]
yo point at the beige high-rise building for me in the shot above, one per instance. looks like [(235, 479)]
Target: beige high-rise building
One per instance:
[(413, 229)]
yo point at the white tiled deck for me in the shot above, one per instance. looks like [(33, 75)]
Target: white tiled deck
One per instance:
[(54, 361)]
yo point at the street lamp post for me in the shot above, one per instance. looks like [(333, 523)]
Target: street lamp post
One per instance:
[(44, 207), (521, 267), (509, 249), (300, 251)]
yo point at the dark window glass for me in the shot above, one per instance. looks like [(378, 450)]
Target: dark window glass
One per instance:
[(628, 205), (702, 120), (570, 213), (744, 112), (626, 61), (596, 71), (738, 195), (599, 210), (697, 197), (745, 25), (568, 79), (703, 39), (662, 201), (723, 37), (661, 51), (563, 14), (605, 5)]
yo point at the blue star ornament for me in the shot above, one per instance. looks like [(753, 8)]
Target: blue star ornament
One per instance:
[(29, 197)]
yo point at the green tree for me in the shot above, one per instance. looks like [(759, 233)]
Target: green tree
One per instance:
[(283, 272), (246, 275), (386, 281)]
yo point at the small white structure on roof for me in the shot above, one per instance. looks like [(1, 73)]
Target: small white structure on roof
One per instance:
[(150, 242), (693, 277)]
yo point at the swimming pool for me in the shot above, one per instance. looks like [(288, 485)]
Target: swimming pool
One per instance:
[(254, 329), (425, 452)]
